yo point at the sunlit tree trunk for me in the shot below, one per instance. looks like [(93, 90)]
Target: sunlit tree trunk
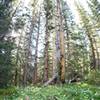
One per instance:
[(60, 45), (96, 53)]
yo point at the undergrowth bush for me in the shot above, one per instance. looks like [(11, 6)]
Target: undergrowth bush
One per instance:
[(93, 77), (8, 91), (58, 92)]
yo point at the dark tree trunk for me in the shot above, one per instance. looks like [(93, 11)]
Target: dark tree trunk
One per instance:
[(36, 53)]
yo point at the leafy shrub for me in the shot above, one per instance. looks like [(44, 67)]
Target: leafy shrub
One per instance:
[(60, 92), (6, 64), (93, 77), (8, 91)]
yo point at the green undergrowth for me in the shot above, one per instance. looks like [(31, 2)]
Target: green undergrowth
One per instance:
[(57, 92)]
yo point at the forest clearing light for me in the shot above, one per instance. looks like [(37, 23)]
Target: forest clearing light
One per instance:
[(71, 4), (26, 2), (73, 8)]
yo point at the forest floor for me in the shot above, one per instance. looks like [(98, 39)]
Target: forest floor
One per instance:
[(55, 92)]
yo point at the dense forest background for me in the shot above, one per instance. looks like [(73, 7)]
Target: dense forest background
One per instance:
[(41, 43)]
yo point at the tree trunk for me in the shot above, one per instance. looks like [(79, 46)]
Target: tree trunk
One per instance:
[(46, 58), (93, 53), (97, 53), (17, 78), (60, 46), (36, 53)]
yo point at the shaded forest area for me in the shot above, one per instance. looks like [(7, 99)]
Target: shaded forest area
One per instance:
[(46, 54)]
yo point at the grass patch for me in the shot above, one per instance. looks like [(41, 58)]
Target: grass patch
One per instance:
[(58, 92)]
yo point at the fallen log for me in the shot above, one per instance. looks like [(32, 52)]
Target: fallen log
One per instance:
[(53, 79)]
